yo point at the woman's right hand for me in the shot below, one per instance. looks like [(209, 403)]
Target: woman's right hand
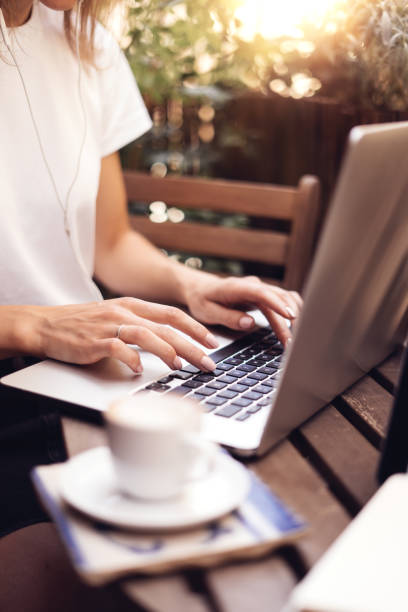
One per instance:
[(85, 333)]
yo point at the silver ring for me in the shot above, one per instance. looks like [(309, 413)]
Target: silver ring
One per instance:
[(119, 330)]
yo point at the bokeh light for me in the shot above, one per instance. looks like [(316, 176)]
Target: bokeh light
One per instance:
[(274, 18)]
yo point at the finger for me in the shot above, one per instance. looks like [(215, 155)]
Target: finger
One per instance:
[(185, 349), (293, 299), (113, 347), (279, 326), (295, 296), (292, 304), (239, 291), (169, 315), (160, 339), (216, 314), (144, 337)]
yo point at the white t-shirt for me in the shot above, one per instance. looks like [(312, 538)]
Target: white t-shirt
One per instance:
[(37, 261)]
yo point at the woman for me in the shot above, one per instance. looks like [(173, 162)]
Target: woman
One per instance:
[(64, 212), (64, 220)]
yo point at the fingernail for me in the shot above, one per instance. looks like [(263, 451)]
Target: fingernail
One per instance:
[(208, 363), (288, 341), (177, 364), (290, 312), (211, 341), (246, 322), (139, 369)]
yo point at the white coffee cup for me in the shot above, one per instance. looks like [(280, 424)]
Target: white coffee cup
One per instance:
[(156, 446)]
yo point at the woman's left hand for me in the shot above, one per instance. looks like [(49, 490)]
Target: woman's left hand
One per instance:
[(224, 301)]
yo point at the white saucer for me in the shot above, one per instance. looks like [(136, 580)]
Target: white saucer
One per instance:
[(88, 484)]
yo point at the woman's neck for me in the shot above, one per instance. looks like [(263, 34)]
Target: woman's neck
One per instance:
[(20, 14)]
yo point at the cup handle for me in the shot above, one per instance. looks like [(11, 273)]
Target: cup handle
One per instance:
[(203, 458)]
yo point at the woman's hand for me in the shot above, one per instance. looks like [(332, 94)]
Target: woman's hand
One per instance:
[(85, 333), (224, 301)]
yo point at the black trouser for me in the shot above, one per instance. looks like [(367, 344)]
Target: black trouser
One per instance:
[(30, 434)]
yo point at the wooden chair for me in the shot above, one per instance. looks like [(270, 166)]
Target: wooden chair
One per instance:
[(298, 205)]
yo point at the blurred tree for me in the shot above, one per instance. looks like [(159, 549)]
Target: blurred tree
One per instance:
[(356, 52)]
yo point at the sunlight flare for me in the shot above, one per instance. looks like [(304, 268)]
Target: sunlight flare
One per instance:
[(273, 18)]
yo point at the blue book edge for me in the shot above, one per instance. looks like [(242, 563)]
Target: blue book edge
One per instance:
[(272, 509)]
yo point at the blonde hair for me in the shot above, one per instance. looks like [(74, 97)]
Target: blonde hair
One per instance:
[(92, 11)]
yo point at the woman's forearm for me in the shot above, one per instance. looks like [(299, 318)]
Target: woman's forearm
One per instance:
[(137, 268), (19, 330)]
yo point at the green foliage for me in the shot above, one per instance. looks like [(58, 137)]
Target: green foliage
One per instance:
[(365, 60), (358, 52), (187, 47)]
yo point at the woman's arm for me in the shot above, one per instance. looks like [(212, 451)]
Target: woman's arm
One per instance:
[(85, 333), (130, 265), (125, 261)]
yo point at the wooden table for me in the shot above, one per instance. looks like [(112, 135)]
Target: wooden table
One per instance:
[(325, 470)]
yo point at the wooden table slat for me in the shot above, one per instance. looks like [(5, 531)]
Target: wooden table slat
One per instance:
[(296, 482), (387, 373), (368, 406), (350, 466), (170, 593), (256, 586)]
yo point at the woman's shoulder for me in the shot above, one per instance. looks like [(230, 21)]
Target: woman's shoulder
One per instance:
[(105, 45)]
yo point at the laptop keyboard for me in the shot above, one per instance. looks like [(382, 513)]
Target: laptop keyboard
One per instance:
[(242, 384)]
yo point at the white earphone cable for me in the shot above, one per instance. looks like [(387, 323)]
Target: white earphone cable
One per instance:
[(63, 207)]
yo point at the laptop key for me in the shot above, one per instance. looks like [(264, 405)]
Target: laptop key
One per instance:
[(263, 389), (217, 384), (228, 411), (248, 382), (254, 408), (265, 401), (224, 366), (263, 358), (257, 376), (245, 354), (243, 417), (227, 379), (238, 388), (207, 391), (166, 379), (190, 368), (155, 386), (269, 369), (272, 352), (247, 368), (256, 362), (193, 384), (240, 401), (216, 401), (278, 358), (252, 395), (228, 394), (237, 373), (203, 377), (182, 375), (181, 390), (234, 360), (272, 383)]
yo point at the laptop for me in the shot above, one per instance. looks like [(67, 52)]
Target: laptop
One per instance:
[(354, 315)]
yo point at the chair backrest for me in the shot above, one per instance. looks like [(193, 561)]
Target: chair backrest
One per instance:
[(292, 250)]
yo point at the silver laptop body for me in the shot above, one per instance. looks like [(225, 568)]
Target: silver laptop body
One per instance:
[(355, 307)]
